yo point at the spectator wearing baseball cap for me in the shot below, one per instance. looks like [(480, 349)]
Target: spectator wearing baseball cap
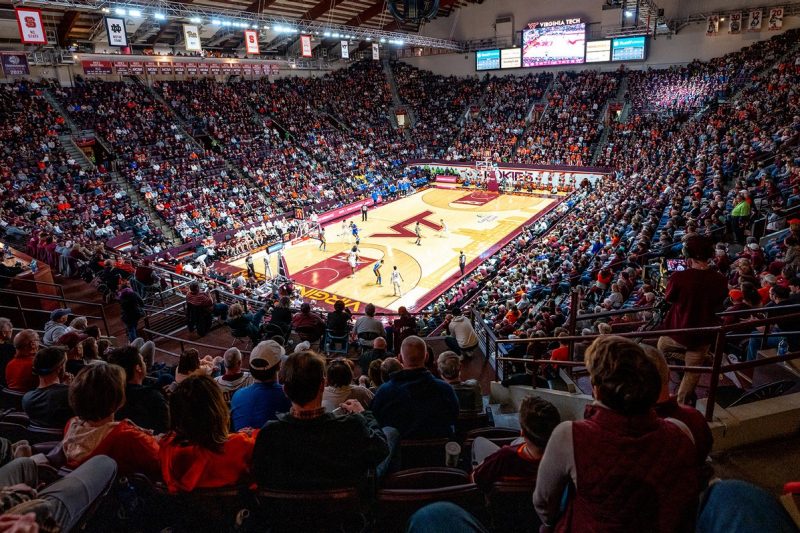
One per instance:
[(56, 326), (73, 342), (254, 405), (47, 405)]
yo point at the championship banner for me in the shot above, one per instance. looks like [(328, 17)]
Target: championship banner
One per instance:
[(15, 63), (305, 46), (137, 67), (214, 68), (376, 54), (191, 69), (192, 38), (115, 30), (165, 67), (712, 26), (179, 69), (735, 24), (251, 42), (31, 28), (97, 68), (151, 67), (755, 20), (775, 21), (121, 68), (345, 50), (203, 69)]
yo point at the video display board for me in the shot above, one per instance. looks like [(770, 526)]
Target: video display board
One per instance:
[(561, 42), (598, 51), (487, 59), (511, 58), (628, 48)]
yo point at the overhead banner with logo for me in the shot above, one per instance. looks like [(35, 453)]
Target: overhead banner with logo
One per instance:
[(775, 21), (251, 41), (755, 20), (31, 28), (376, 54), (115, 29), (15, 63), (192, 38), (345, 50), (305, 46), (735, 24)]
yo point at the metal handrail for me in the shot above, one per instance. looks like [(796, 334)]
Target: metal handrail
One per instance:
[(60, 300), (36, 282)]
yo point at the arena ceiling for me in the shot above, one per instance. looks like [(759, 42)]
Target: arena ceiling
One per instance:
[(68, 26)]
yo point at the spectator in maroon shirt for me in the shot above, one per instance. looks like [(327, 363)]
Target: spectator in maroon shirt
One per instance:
[(519, 460), (668, 407), (696, 295)]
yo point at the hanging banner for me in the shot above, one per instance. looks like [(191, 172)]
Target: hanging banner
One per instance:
[(121, 68), (151, 67), (165, 67), (305, 45), (755, 20), (31, 28), (191, 69), (14, 63), (775, 21), (251, 42), (179, 68), (214, 68), (735, 24), (345, 50), (137, 67), (712, 26), (192, 38), (202, 68), (376, 54), (115, 30), (97, 68)]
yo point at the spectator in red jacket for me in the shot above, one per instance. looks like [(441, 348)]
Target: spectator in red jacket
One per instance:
[(200, 452), (95, 395), (19, 371)]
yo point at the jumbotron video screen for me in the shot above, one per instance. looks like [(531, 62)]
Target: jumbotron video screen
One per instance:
[(554, 45)]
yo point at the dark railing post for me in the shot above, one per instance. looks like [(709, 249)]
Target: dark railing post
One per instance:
[(105, 321), (715, 372), (574, 297), (22, 314)]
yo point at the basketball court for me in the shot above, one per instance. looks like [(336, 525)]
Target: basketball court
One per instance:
[(478, 222)]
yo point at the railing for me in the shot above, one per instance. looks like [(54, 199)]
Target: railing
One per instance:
[(63, 303), (17, 281), (721, 334)]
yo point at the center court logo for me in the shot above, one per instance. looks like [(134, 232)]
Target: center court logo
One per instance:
[(401, 228)]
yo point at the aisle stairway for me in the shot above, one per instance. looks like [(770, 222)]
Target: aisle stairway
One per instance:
[(68, 143)]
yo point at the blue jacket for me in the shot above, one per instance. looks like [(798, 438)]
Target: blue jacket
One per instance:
[(417, 404)]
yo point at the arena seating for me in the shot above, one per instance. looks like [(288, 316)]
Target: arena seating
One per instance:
[(699, 141)]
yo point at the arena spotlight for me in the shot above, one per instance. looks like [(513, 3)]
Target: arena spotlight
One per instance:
[(134, 13), (121, 11), (105, 10), (196, 20), (326, 34), (159, 16), (216, 22), (629, 14)]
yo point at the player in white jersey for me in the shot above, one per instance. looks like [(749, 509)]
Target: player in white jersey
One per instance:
[(445, 231), (396, 279), (352, 260)]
